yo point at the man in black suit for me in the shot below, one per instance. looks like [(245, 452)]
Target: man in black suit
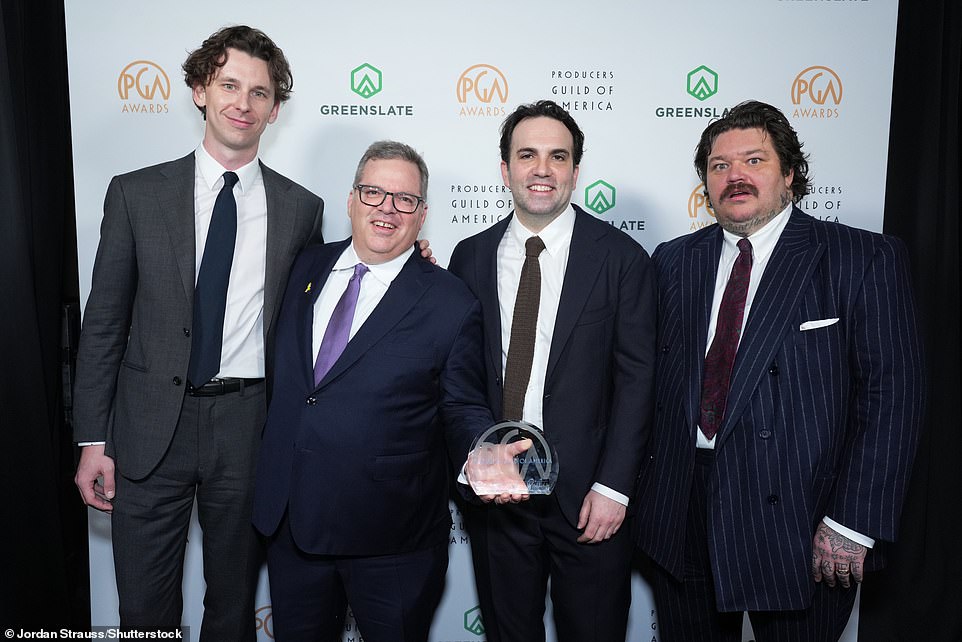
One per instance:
[(170, 391), (789, 394), (588, 387)]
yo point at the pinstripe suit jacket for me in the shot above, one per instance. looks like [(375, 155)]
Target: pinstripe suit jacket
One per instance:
[(819, 422)]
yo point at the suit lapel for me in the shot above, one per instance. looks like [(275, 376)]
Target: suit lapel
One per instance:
[(304, 310), (698, 271), (585, 259), (175, 200), (402, 295), (770, 318), (281, 211), (486, 265)]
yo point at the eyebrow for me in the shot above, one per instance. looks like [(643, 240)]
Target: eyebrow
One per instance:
[(559, 150), (750, 152)]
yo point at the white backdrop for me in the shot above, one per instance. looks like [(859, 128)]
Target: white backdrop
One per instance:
[(641, 78)]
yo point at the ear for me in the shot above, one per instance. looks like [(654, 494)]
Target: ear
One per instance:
[(199, 94), (504, 174), (273, 115)]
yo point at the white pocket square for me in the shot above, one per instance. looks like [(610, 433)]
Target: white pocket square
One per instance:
[(820, 323)]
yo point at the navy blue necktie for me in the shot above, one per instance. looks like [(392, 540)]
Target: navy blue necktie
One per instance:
[(210, 293)]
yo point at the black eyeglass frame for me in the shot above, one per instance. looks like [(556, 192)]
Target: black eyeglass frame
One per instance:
[(360, 194)]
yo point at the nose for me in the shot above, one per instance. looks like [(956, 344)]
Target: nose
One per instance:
[(542, 167), (736, 172), (387, 206), (242, 101)]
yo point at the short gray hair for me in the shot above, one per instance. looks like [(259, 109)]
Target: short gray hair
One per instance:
[(389, 150)]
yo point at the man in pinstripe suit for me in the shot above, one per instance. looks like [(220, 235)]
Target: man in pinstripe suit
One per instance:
[(774, 478)]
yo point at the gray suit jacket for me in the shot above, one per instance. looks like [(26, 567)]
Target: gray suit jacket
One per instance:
[(135, 343)]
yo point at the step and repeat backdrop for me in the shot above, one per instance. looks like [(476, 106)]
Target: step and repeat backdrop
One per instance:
[(641, 79)]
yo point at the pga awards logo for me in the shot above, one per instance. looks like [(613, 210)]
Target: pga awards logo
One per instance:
[(144, 88), (482, 90), (816, 93), (699, 209)]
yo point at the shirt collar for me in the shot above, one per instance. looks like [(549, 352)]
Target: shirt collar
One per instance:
[(763, 240), (212, 171), (556, 235), (383, 272)]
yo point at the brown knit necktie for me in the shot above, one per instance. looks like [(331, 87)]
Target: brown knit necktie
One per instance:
[(524, 327)]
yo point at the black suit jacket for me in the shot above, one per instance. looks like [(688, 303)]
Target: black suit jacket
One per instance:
[(597, 394), (820, 422)]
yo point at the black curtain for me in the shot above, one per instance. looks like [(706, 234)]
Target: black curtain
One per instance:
[(918, 596), (43, 574)]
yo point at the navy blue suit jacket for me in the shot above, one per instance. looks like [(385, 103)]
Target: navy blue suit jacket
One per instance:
[(361, 461), (820, 422), (597, 394)]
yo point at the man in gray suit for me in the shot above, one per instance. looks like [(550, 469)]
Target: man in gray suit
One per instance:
[(170, 391)]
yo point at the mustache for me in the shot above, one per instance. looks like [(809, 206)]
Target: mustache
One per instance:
[(739, 187)]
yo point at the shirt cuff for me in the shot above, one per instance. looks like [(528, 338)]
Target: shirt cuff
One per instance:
[(601, 489), (91, 443), (858, 538)]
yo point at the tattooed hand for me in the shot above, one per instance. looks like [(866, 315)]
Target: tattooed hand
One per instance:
[(836, 556)]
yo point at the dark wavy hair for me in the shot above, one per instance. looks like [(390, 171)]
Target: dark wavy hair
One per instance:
[(753, 114), (202, 63), (547, 108)]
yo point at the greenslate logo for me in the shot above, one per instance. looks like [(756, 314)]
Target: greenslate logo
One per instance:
[(473, 622), (366, 80), (702, 83), (600, 197)]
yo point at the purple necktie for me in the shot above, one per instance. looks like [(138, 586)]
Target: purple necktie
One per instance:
[(339, 327), (721, 355)]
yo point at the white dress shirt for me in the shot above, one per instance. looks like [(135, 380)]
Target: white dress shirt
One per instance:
[(763, 244), (242, 351), (374, 285), (554, 262)]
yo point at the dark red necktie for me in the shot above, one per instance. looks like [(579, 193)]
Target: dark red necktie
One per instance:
[(721, 354)]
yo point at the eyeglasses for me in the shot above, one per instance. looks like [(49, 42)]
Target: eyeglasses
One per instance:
[(403, 202)]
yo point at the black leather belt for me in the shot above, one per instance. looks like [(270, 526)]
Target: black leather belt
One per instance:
[(223, 386)]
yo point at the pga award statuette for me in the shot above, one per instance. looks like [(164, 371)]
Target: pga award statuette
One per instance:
[(499, 463)]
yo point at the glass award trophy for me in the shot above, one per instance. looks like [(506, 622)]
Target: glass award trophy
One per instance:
[(512, 457)]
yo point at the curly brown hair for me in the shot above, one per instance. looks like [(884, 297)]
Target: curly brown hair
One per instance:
[(202, 63)]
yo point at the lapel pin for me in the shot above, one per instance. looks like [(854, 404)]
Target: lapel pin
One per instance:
[(308, 289)]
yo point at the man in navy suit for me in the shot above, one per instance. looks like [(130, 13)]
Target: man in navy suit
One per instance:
[(589, 389), (352, 481), (789, 397)]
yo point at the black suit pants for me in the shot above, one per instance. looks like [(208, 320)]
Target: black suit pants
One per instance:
[(516, 548)]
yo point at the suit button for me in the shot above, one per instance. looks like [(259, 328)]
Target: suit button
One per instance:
[(773, 370), (665, 348), (764, 434), (177, 381), (547, 396), (660, 406), (312, 401), (773, 499), (186, 332)]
